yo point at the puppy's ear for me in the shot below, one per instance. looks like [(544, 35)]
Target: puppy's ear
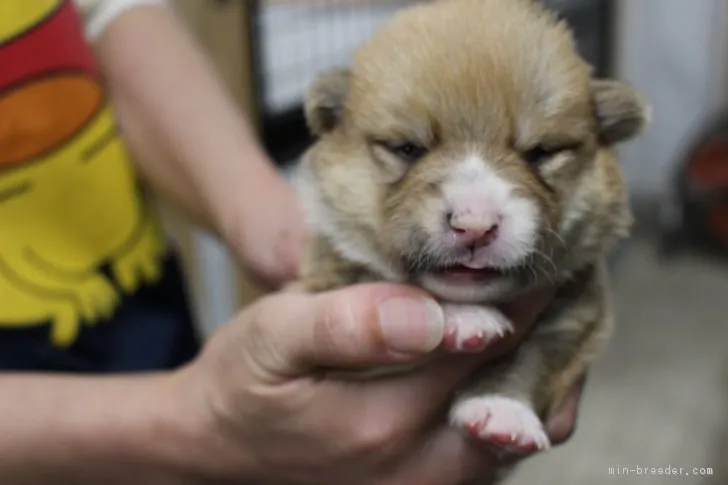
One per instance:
[(620, 110), (325, 101)]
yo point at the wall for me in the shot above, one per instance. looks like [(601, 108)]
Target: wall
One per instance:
[(302, 39), (676, 52)]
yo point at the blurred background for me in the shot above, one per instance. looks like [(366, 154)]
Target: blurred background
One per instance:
[(659, 397)]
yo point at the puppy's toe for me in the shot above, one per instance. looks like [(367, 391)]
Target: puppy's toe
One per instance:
[(471, 328), (504, 423)]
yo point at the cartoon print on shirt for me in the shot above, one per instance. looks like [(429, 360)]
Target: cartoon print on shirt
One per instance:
[(70, 205)]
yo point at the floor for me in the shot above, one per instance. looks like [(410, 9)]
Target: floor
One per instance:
[(659, 396)]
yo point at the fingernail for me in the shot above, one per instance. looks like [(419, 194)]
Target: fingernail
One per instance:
[(411, 325)]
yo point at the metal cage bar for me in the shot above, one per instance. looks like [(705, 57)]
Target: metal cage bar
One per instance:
[(283, 127)]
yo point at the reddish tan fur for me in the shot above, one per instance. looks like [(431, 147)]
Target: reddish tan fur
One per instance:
[(492, 77)]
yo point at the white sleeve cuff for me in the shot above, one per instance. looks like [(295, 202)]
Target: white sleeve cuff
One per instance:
[(104, 12)]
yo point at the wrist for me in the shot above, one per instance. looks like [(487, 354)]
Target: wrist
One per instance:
[(156, 429), (154, 424), (264, 225), (182, 436), (207, 444), (172, 431)]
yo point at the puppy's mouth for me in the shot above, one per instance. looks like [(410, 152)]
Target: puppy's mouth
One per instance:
[(461, 273), (460, 269), (462, 283)]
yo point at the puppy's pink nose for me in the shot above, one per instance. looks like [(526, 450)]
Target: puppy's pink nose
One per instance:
[(473, 233)]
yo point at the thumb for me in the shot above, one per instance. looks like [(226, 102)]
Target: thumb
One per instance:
[(359, 326)]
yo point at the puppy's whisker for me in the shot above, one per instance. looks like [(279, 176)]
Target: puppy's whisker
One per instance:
[(551, 263), (556, 235)]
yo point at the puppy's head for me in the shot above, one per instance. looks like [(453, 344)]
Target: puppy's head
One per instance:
[(468, 149)]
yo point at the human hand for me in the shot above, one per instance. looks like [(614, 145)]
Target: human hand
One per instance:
[(271, 417)]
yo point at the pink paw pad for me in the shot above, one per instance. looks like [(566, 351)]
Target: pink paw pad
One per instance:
[(503, 423), (472, 328)]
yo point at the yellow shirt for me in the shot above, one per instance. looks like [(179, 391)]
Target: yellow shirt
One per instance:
[(76, 235)]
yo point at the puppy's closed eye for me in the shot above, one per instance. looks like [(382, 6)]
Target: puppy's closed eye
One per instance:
[(409, 152), (397, 157), (540, 154)]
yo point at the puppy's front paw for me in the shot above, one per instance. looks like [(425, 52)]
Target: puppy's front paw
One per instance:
[(503, 422), (472, 328)]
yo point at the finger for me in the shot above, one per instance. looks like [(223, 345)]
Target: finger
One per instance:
[(562, 425), (431, 386), (448, 457), (434, 383), (362, 326), (427, 389), (424, 391)]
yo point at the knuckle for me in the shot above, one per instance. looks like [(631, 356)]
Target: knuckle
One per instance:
[(262, 341), (342, 328), (334, 329), (562, 434), (376, 436)]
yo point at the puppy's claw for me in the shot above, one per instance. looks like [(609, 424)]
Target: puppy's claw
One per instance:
[(502, 422)]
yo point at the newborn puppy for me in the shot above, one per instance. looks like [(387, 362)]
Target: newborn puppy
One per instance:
[(469, 151)]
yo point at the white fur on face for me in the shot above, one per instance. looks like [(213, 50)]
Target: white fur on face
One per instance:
[(462, 292), (476, 189)]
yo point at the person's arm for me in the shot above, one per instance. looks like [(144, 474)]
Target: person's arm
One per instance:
[(253, 408), (189, 139), (80, 430)]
